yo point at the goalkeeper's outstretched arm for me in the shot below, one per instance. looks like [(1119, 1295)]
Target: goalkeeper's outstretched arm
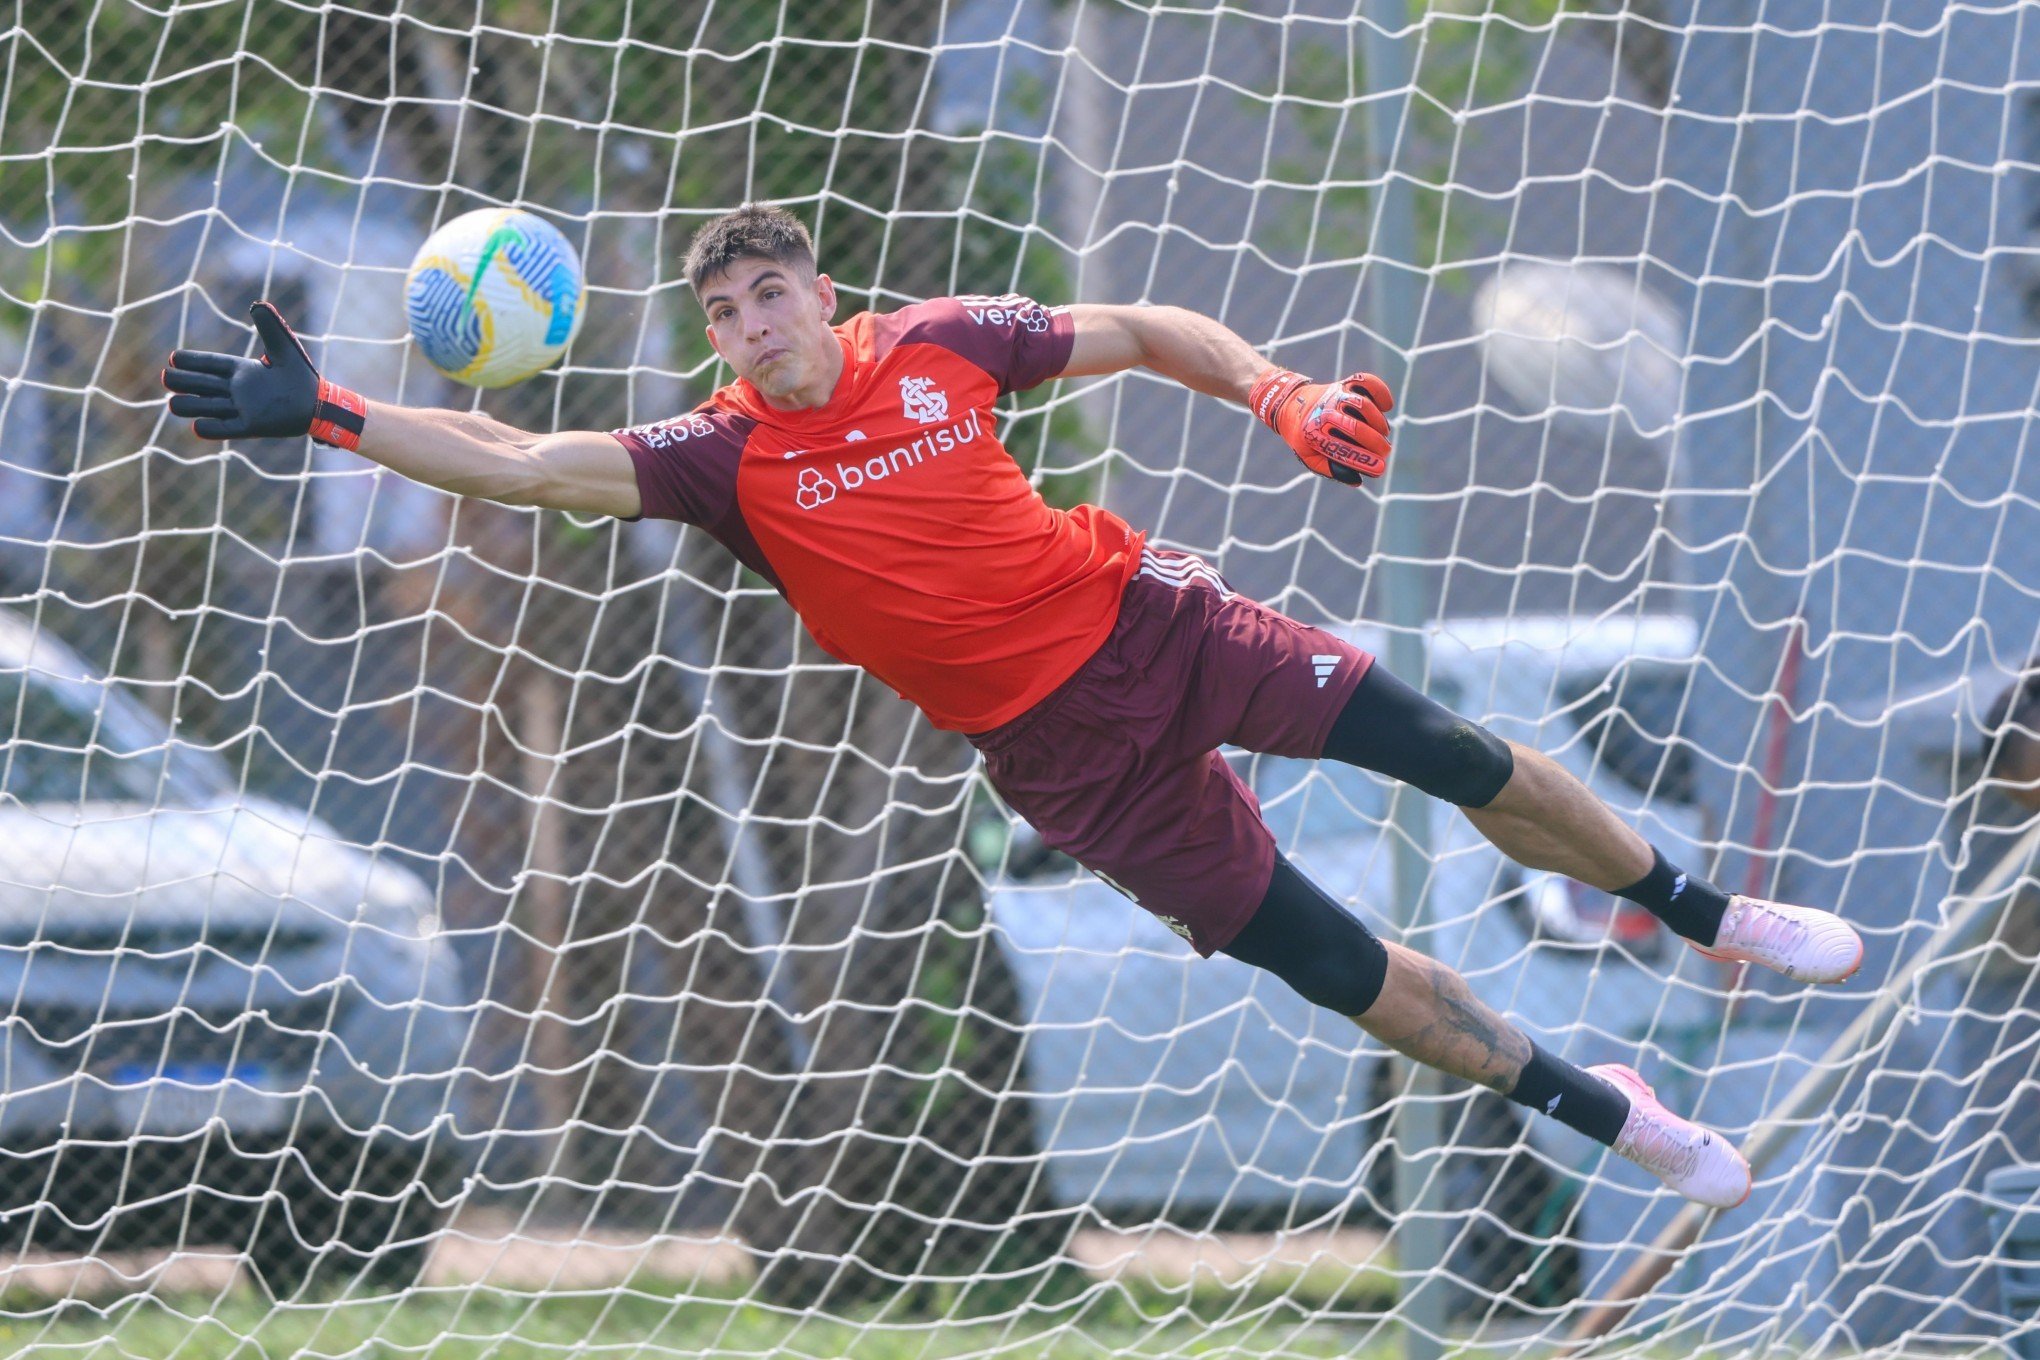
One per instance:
[(1339, 430), (470, 454)]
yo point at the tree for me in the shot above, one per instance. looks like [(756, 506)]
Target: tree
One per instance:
[(631, 123)]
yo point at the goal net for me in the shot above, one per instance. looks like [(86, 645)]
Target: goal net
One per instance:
[(511, 926)]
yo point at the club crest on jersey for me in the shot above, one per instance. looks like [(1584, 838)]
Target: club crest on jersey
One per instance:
[(813, 491), (923, 400)]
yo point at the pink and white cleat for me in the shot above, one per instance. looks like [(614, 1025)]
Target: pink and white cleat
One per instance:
[(1698, 1164), (1803, 943)]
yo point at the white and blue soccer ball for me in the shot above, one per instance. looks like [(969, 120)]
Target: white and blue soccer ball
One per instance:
[(494, 296)]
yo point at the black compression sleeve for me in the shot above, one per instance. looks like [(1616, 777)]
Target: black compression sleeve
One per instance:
[(1394, 730), (1314, 944)]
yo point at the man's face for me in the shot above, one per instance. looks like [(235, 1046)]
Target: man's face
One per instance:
[(770, 322)]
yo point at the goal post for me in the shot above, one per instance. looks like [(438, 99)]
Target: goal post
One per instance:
[(391, 884)]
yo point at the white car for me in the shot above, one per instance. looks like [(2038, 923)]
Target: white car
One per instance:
[(1160, 1082), (219, 1022)]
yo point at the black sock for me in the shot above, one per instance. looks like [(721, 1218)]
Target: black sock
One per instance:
[(1690, 905), (1572, 1095)]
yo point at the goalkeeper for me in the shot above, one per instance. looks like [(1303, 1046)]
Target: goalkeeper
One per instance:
[(857, 468)]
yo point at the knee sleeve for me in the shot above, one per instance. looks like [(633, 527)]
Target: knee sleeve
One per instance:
[(1312, 943), (1394, 730)]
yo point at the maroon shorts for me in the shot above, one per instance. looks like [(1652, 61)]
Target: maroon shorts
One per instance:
[(1119, 767)]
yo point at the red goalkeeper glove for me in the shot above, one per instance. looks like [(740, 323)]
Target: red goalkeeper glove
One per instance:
[(1339, 430), (280, 395)]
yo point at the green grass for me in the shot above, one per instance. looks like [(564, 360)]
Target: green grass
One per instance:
[(462, 1322)]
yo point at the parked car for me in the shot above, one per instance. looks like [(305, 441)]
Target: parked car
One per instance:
[(1161, 1082), (222, 1024)]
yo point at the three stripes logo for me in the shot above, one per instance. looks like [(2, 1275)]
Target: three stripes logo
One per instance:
[(1178, 570)]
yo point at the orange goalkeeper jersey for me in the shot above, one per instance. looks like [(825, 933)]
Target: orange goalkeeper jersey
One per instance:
[(893, 520)]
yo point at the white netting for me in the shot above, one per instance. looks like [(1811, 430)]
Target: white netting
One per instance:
[(526, 893)]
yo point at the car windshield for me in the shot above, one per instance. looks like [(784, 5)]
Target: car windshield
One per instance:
[(50, 751), (1627, 720)]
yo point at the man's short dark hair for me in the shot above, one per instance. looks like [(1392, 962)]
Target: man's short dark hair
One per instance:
[(756, 231)]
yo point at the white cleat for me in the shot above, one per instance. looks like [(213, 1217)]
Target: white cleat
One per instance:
[(1698, 1164), (1803, 943)]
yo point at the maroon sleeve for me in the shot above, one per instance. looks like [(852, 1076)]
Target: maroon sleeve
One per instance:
[(687, 466), (1015, 339)]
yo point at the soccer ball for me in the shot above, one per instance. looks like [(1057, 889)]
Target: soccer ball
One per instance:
[(494, 296)]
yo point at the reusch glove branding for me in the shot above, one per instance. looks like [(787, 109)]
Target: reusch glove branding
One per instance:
[(1339, 430)]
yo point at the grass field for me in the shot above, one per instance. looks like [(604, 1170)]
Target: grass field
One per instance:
[(459, 1323)]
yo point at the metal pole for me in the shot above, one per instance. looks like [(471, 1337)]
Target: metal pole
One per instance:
[(1393, 304)]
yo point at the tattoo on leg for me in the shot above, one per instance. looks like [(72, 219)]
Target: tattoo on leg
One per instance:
[(1463, 1036)]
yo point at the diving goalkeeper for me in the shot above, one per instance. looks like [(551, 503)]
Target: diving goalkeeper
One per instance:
[(857, 468)]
